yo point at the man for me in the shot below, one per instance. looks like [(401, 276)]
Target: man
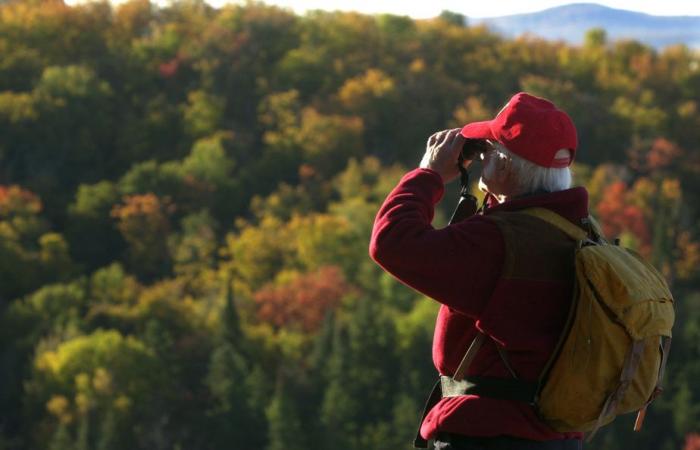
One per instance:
[(501, 273)]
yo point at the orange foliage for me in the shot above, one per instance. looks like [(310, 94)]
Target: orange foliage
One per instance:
[(306, 171), (147, 206), (692, 441), (17, 201), (618, 215), (143, 221), (304, 300)]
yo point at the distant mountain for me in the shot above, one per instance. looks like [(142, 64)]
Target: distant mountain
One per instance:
[(570, 23)]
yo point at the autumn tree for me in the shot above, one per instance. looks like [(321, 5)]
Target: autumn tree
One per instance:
[(301, 301), (88, 377), (143, 222), (30, 254)]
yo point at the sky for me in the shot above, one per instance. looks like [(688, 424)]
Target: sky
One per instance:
[(479, 8)]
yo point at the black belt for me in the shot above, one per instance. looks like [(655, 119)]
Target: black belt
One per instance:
[(499, 388)]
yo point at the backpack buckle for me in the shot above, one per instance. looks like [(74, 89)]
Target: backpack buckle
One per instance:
[(588, 226), (658, 390)]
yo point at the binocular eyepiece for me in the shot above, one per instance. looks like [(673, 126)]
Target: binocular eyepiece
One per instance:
[(473, 147)]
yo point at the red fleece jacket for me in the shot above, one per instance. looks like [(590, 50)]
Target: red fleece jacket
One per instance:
[(460, 267)]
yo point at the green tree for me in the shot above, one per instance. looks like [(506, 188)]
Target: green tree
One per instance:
[(203, 113), (286, 431), (233, 415), (89, 376)]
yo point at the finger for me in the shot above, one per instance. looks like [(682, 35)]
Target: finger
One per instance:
[(432, 139), (456, 133), (442, 137), (451, 134), (435, 138), (458, 143), (450, 138)]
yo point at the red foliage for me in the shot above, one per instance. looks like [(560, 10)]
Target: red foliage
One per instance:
[(692, 441), (618, 216), (303, 301), (662, 154), (168, 69)]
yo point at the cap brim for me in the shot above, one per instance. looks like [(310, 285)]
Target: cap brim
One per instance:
[(478, 130)]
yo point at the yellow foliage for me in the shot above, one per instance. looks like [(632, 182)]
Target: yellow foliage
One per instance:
[(27, 15), (671, 189), (102, 381), (319, 239), (641, 114), (48, 362), (58, 406), (122, 403), (258, 252), (688, 262), (417, 65), (643, 195), (325, 135), (82, 402), (18, 106), (357, 93), (82, 381), (471, 110), (688, 109)]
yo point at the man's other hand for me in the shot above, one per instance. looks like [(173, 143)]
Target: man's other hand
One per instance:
[(442, 154)]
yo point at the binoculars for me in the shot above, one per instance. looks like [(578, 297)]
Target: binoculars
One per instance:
[(467, 205), (473, 147)]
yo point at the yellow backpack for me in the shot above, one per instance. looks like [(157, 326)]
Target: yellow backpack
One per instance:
[(612, 354)]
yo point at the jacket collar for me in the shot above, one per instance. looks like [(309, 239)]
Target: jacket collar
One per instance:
[(570, 203)]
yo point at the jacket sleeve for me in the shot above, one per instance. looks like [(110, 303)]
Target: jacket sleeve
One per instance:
[(458, 265)]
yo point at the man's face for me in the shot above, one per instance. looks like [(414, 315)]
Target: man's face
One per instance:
[(496, 174)]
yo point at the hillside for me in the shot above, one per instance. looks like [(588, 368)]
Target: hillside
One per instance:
[(570, 23)]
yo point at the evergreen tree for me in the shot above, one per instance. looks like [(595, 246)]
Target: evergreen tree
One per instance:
[(108, 438), (236, 415), (286, 431), (61, 439)]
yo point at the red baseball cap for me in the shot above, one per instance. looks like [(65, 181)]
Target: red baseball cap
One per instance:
[(532, 128)]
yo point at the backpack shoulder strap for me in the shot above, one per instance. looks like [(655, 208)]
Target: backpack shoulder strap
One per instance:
[(549, 216)]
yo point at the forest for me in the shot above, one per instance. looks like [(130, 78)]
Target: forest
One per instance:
[(187, 194)]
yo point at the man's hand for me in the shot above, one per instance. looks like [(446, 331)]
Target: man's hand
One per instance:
[(442, 154)]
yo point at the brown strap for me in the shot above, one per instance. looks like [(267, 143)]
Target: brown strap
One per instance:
[(641, 414), (629, 368), (469, 356), (664, 347), (506, 360), (473, 349)]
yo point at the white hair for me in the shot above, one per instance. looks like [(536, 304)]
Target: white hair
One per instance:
[(529, 177)]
